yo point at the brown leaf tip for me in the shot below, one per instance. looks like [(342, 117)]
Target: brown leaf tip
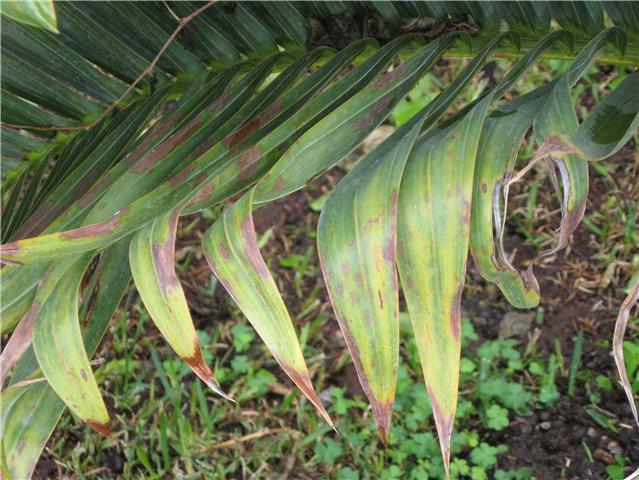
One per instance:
[(101, 428), (444, 426), (383, 412), (303, 381), (202, 370)]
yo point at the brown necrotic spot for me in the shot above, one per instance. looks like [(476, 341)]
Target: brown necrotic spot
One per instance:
[(97, 229), (302, 379), (455, 313), (389, 250), (97, 188), (158, 133), (102, 428), (41, 217), (253, 125), (279, 184), (383, 81), (147, 162), (83, 374), (202, 148), (530, 281), (224, 253), (241, 133), (247, 163), (220, 102), (180, 177), (444, 424), (202, 370), (249, 239), (373, 115)]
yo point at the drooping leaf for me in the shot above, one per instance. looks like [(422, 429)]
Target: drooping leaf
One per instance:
[(152, 257), (358, 114), (27, 424), (357, 242), (59, 348), (433, 230), (502, 137), (230, 247)]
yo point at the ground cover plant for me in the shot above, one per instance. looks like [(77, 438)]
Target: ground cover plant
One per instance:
[(100, 201)]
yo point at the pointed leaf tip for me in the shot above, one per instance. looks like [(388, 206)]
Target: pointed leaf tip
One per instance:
[(202, 370), (101, 428), (303, 380), (383, 414), (444, 424)]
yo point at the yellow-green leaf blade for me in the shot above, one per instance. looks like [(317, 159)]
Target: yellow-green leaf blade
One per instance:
[(38, 13), (433, 236), (230, 247), (59, 348), (152, 258)]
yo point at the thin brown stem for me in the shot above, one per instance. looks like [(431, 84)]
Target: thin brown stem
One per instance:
[(182, 22)]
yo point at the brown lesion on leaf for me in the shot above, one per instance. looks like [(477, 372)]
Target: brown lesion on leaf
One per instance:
[(455, 313), (302, 379), (205, 192), (554, 144), (102, 229), (164, 255), (43, 215), (224, 253), (382, 411), (372, 115), (19, 342), (220, 102), (466, 212), (98, 187), (241, 133), (251, 249), (247, 163), (182, 175), (9, 250), (163, 128), (148, 161), (202, 148), (83, 374), (389, 249), (345, 267), (250, 127), (383, 81), (279, 184)]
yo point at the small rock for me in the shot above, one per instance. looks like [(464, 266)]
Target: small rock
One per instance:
[(515, 324), (325, 396), (592, 432), (614, 448), (603, 456), (545, 425)]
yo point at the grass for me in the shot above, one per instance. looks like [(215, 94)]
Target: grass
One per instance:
[(168, 424)]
